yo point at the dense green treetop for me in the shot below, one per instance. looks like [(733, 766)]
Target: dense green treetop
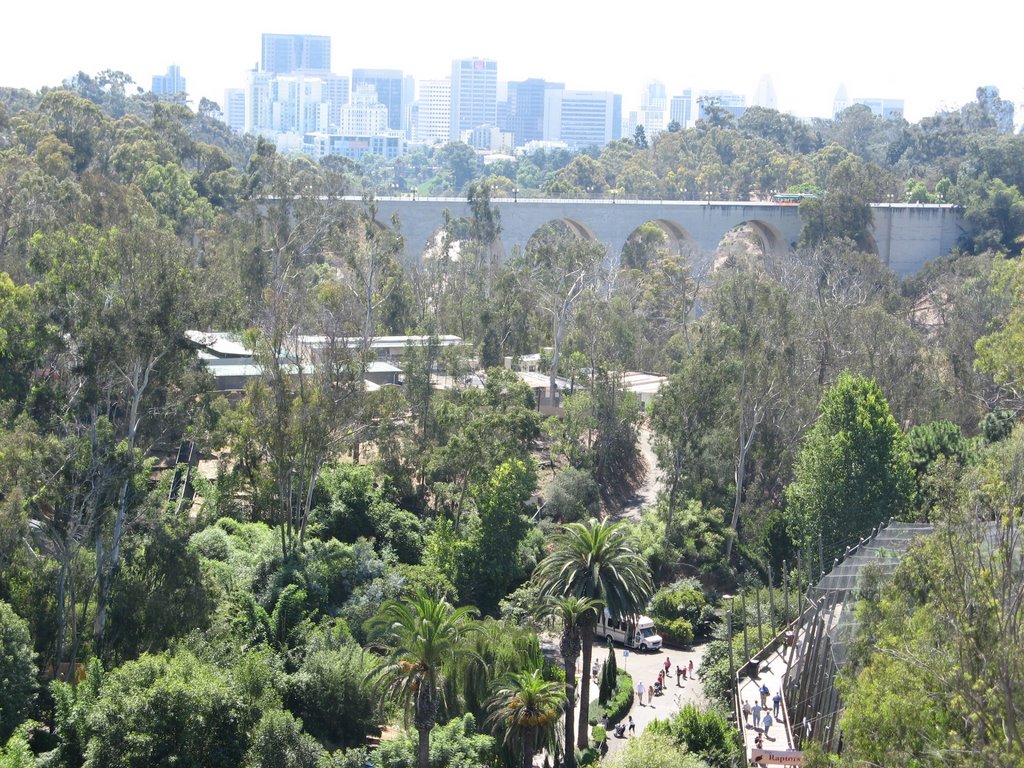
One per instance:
[(853, 471)]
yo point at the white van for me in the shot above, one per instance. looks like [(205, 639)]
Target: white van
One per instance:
[(637, 632)]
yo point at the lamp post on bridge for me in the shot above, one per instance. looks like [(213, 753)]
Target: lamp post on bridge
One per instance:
[(515, 194)]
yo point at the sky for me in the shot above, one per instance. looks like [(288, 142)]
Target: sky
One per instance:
[(931, 55)]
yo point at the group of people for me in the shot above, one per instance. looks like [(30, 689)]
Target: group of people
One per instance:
[(767, 719), (658, 687)]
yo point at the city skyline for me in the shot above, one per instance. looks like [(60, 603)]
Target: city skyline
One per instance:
[(879, 50)]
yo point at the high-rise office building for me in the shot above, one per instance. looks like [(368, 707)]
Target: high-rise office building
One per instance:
[(733, 103), (336, 88), (474, 95), (653, 108), (525, 118), (841, 101), (433, 112), (290, 53), (997, 110), (390, 87), (887, 109), (582, 119), (234, 109), (170, 85), (408, 97), (285, 103), (364, 115), (764, 94), (680, 109)]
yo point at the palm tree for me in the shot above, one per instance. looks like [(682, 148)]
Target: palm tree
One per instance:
[(423, 637), (525, 706), (569, 610), (598, 560)]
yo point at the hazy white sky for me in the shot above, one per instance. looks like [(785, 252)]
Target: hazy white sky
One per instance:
[(932, 55)]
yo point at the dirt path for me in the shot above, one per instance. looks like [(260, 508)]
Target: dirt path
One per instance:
[(647, 494)]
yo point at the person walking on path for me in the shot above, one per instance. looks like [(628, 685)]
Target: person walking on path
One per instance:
[(650, 694), (680, 671), (767, 722), (757, 715), (667, 665), (776, 703), (764, 695), (746, 712), (690, 665), (632, 726), (640, 692)]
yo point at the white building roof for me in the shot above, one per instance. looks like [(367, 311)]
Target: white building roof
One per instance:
[(219, 343), (642, 383), (541, 380)]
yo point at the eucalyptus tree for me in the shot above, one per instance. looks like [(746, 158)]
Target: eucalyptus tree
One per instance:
[(559, 267)]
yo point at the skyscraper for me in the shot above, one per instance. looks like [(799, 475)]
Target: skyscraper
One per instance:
[(389, 87), (582, 118), (336, 89), (733, 103), (288, 53), (841, 101), (474, 95), (365, 115), (433, 111), (997, 110), (171, 85), (526, 109), (652, 108), (888, 109), (764, 94), (681, 109), (234, 109)]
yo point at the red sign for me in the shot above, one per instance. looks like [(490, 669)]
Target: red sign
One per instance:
[(774, 757)]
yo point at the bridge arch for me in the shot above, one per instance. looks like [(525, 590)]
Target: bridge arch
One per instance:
[(571, 226), (459, 232), (675, 239), (752, 238)]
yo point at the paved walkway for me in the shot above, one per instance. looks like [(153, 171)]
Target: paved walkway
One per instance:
[(645, 666), (769, 674)]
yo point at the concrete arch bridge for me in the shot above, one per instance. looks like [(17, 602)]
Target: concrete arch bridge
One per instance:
[(905, 235)]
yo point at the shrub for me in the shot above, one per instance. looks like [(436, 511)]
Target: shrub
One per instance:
[(17, 671), (572, 495), (164, 709), (706, 733), (455, 745), (331, 696), (683, 600), (212, 543), (278, 741), (677, 632), (620, 704), (654, 749)]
